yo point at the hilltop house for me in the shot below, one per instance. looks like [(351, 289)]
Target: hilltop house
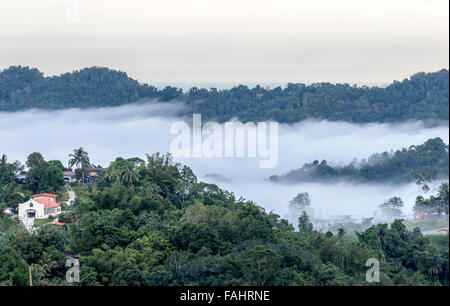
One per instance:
[(69, 176), (94, 173), (40, 206)]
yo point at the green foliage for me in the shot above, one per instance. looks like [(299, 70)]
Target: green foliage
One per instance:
[(125, 170), (392, 207), (13, 270), (422, 96), (422, 163), (304, 225), (434, 204), (301, 202), (168, 229), (11, 192), (79, 158), (24, 88), (43, 176)]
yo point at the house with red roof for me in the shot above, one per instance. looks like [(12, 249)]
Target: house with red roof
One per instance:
[(59, 226), (40, 206)]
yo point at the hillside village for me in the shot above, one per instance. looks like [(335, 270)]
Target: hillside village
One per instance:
[(47, 205), (155, 211), (44, 207)]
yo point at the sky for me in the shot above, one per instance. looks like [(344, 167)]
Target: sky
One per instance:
[(229, 42)]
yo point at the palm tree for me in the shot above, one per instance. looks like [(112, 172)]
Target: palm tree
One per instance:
[(129, 175), (80, 159), (125, 171), (151, 190)]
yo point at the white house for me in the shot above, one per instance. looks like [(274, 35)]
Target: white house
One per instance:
[(40, 206)]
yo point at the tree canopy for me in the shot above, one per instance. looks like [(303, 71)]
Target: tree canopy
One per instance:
[(421, 164), (150, 222), (423, 96)]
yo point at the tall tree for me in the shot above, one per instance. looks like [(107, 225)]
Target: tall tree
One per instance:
[(80, 159), (34, 160), (300, 204), (129, 174), (392, 207)]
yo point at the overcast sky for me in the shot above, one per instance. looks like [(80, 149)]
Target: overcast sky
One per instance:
[(229, 41)]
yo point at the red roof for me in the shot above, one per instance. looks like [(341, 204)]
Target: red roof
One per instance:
[(57, 223), (48, 203), (45, 195)]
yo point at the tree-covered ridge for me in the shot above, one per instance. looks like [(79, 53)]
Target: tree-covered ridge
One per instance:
[(421, 164), (25, 88), (422, 96), (150, 222)]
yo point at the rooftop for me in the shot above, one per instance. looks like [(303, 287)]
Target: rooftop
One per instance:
[(57, 223), (96, 169), (49, 195), (48, 203)]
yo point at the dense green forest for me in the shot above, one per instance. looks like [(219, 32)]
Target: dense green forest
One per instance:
[(421, 163), (151, 222), (422, 96), (42, 176)]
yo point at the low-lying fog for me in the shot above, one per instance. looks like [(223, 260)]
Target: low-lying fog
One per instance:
[(134, 130)]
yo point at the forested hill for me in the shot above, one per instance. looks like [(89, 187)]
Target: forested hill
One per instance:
[(25, 88), (151, 222), (422, 96), (422, 164)]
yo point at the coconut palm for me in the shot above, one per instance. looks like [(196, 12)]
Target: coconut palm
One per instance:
[(129, 175), (125, 170), (80, 159)]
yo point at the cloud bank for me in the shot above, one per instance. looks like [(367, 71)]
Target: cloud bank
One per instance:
[(134, 130)]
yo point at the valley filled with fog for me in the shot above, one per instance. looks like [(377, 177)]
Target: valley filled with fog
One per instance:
[(133, 130)]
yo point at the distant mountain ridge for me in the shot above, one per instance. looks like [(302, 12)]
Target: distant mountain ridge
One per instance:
[(421, 97)]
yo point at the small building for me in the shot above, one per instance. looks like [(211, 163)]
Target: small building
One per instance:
[(70, 176), (8, 211), (421, 216), (60, 226), (40, 206), (21, 178), (94, 173)]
